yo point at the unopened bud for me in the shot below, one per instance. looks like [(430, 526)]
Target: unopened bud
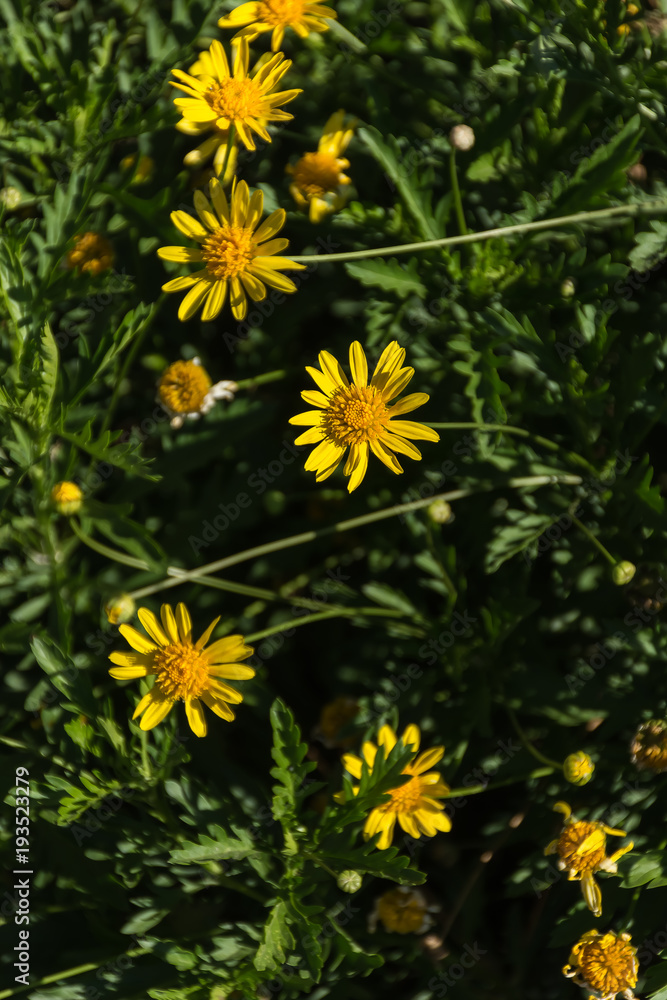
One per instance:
[(349, 881), (568, 288), (578, 768), (66, 497), (623, 572), (462, 137), (439, 511), (120, 609)]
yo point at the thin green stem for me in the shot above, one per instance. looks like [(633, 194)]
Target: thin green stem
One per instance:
[(346, 36), (322, 616), (456, 191), (77, 970), (523, 739), (129, 358), (648, 207), (252, 383), (539, 772), (228, 152), (598, 544)]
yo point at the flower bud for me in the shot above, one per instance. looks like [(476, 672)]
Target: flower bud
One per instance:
[(462, 138), (120, 609), (578, 768), (623, 572), (349, 881), (66, 497), (568, 288), (439, 511), (10, 197)]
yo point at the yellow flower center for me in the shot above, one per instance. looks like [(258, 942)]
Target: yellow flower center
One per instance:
[(407, 798), (281, 12), (235, 100), (316, 174), (228, 251), (608, 964), (181, 671), (355, 413), (183, 387), (582, 846)]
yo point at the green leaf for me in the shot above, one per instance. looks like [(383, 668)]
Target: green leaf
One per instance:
[(390, 276), (404, 177), (108, 448), (648, 866), (219, 847), (509, 539), (288, 752), (277, 940)]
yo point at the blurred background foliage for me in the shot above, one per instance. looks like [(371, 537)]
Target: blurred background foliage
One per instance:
[(163, 869)]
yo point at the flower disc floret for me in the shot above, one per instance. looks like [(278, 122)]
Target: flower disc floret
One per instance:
[(582, 851), (414, 805), (184, 670), (302, 16), (240, 255), (357, 415), (605, 964)]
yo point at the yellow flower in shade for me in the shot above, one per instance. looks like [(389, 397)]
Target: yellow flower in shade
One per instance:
[(649, 746), (357, 415), (578, 768), (604, 964), (581, 850), (91, 252), (184, 670), (302, 16), (415, 804), (334, 717), (403, 911), (319, 182), (185, 390), (220, 98), (236, 252), (66, 497)]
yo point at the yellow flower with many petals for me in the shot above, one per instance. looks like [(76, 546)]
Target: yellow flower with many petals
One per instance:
[(415, 804), (302, 16), (357, 416), (319, 182), (604, 964), (184, 670), (220, 98), (236, 254), (581, 850)]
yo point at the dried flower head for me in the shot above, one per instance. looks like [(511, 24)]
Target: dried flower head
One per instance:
[(649, 746), (604, 964), (186, 391)]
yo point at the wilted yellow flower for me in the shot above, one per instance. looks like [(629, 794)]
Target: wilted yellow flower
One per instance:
[(302, 16), (220, 98), (66, 497), (319, 182), (91, 252), (119, 609), (185, 390), (581, 850), (414, 804), (604, 964), (578, 768), (236, 252), (403, 911), (649, 746), (184, 670), (357, 416)]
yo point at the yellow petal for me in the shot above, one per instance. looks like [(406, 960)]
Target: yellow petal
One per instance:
[(224, 692), (127, 673), (315, 398), (332, 368), (195, 713), (193, 300), (271, 225), (215, 300), (352, 764), (408, 403), (158, 707), (386, 456), (411, 737), (180, 254), (231, 671), (427, 760), (131, 660), (184, 623), (369, 752), (322, 380), (150, 623), (136, 639), (169, 622), (407, 823), (412, 429), (387, 739), (205, 212), (312, 436), (359, 456), (189, 226), (358, 364), (226, 649), (311, 418), (221, 708), (206, 635)]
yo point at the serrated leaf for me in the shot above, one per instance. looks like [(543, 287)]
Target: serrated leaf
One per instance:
[(220, 847), (277, 940), (109, 448), (389, 275), (650, 247)]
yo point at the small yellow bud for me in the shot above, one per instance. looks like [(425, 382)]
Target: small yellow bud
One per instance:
[(66, 497), (120, 609), (623, 572), (349, 881), (578, 768)]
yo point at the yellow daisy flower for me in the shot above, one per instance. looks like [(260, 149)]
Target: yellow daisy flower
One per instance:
[(413, 804), (184, 670), (604, 964), (185, 390), (66, 497), (357, 416), (234, 252), (403, 911), (220, 98), (581, 850), (319, 181), (649, 746), (302, 16)]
